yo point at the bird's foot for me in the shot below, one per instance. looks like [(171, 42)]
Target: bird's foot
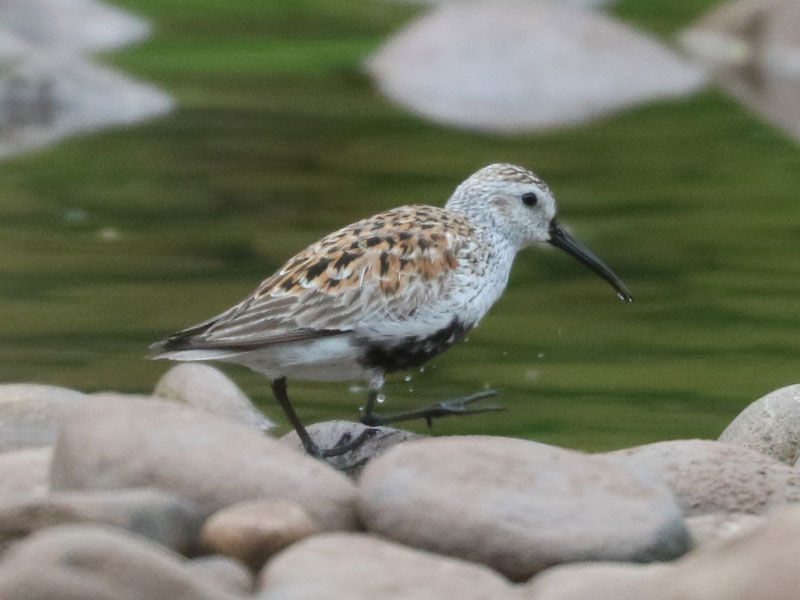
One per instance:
[(455, 407), (343, 446)]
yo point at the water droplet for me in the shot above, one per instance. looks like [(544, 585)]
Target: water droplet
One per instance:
[(411, 390), (75, 215), (422, 369), (108, 234), (407, 378), (380, 398), (540, 355)]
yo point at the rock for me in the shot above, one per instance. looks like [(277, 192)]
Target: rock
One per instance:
[(709, 476), (254, 530), (210, 461), (752, 48), (745, 33), (30, 414), (208, 388), (598, 581), (761, 564), (72, 25), (50, 94), (331, 433), (581, 3), (770, 425), (517, 506), (109, 395), (361, 567), (25, 472), (90, 562), (715, 527), (226, 573), (477, 65), (154, 514)]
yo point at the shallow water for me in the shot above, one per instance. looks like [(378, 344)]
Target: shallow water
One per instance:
[(111, 242)]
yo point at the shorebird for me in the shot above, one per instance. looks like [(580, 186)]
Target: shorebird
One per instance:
[(387, 294)]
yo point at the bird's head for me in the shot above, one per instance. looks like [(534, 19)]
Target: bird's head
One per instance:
[(517, 205)]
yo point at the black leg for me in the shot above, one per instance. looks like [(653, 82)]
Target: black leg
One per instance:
[(344, 446), (458, 406), (279, 389)]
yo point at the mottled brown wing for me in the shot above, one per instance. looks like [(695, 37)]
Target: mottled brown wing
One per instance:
[(389, 265)]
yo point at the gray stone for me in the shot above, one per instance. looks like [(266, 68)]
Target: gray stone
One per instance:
[(154, 514), (330, 433), (254, 530), (600, 581), (708, 476), (361, 567), (110, 395), (753, 49), (30, 414), (522, 65), (208, 388), (761, 564), (72, 25), (224, 572), (517, 506), (56, 94), (210, 461), (715, 527), (91, 562), (25, 472), (770, 425)]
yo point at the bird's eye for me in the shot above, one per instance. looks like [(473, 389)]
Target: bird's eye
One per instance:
[(529, 199)]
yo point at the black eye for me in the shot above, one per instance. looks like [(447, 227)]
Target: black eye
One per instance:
[(529, 199)]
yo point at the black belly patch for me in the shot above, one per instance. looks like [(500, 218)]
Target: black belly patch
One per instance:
[(412, 351)]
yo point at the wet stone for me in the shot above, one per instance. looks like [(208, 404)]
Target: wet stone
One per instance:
[(210, 461), (517, 506)]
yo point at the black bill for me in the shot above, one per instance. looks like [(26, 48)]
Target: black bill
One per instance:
[(560, 239)]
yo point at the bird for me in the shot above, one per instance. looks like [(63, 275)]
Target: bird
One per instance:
[(387, 294)]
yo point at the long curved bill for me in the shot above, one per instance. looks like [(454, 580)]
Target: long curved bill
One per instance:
[(560, 239)]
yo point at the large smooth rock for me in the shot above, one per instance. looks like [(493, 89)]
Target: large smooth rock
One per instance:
[(51, 94), (517, 506), (208, 388), (90, 562), (361, 567), (525, 65), (254, 530), (72, 25), (25, 472), (331, 433), (155, 514), (753, 49), (30, 414), (761, 564), (708, 476), (712, 528), (224, 572), (770, 425), (210, 461)]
